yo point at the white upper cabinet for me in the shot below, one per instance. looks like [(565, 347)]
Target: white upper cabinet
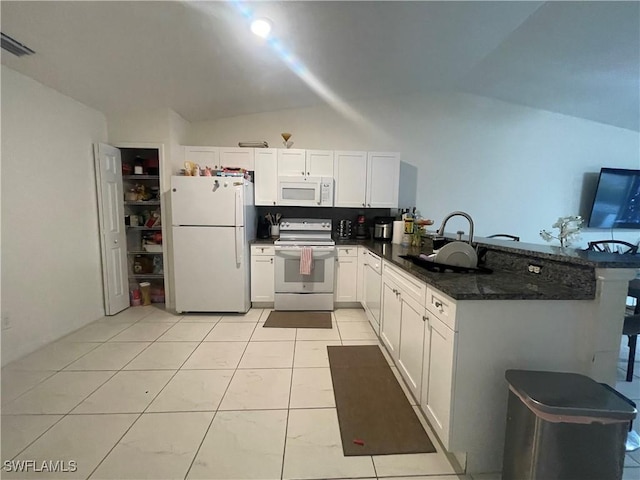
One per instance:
[(319, 163), (383, 177), (203, 156), (291, 162), (349, 169), (218, 158), (266, 176), (237, 157), (306, 163)]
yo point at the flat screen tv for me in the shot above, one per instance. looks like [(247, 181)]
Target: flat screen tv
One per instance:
[(617, 200)]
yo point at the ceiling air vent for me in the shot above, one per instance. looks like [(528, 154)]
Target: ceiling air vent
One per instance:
[(15, 47)]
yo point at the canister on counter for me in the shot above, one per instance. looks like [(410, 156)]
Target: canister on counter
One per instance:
[(408, 225)]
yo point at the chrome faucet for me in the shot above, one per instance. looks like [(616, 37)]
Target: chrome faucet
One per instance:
[(454, 214)]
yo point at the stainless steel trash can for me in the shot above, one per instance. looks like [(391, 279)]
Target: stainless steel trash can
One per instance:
[(563, 426)]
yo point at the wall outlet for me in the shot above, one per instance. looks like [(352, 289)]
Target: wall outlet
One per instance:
[(535, 269), (6, 322)]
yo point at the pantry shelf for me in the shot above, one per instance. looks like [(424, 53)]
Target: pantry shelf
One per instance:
[(143, 202), (141, 177)]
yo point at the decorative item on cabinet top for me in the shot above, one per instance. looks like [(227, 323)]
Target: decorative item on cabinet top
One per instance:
[(254, 144)]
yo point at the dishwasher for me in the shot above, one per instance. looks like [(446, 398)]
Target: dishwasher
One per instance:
[(372, 289)]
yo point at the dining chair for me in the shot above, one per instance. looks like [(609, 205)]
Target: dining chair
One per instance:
[(505, 236), (613, 246)]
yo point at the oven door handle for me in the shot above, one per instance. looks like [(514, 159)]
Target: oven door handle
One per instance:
[(295, 253)]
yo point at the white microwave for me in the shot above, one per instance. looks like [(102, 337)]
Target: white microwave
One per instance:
[(305, 191)]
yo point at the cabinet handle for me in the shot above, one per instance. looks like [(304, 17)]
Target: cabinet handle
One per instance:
[(274, 202), (368, 204), (424, 318), (438, 304), (271, 260), (308, 174), (347, 250), (363, 205), (302, 173)]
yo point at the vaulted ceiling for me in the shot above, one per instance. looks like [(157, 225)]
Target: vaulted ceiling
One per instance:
[(199, 58)]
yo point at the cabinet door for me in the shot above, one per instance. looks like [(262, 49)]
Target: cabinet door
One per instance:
[(320, 163), (237, 157), (362, 261), (411, 343), (266, 176), (346, 277), (203, 156), (350, 169), (390, 321), (383, 174), (262, 278), (291, 162), (436, 404), (372, 284)]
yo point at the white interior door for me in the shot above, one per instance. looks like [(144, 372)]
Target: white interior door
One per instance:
[(112, 231)]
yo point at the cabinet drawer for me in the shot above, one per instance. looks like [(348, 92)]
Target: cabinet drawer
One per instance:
[(260, 250), (348, 251), (442, 307), (375, 262), (411, 285)]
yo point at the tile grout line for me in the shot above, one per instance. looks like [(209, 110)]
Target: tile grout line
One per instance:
[(286, 425), (221, 397), (141, 413), (153, 399)]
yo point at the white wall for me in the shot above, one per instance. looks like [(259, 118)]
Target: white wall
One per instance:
[(51, 271), (514, 169)]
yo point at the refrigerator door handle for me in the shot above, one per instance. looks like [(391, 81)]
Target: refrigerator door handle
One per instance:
[(239, 220), (239, 240)]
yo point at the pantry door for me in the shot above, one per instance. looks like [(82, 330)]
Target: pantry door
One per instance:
[(112, 230)]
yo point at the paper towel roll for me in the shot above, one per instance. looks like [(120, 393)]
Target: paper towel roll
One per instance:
[(398, 231)]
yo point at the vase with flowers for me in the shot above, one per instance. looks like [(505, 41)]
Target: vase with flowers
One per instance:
[(568, 230)]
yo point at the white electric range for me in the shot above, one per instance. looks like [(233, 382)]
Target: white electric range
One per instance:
[(295, 291)]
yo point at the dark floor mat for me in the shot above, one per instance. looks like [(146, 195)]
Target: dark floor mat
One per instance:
[(374, 414), (299, 320)]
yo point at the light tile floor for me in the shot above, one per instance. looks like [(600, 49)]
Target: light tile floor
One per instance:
[(632, 391), (148, 394)]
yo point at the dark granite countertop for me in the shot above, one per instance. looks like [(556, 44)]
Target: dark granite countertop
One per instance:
[(262, 241), (505, 283), (499, 285)]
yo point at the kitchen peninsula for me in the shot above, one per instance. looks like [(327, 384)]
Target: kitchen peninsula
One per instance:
[(453, 335)]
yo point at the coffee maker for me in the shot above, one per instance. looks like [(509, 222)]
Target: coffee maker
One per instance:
[(263, 230), (361, 227)]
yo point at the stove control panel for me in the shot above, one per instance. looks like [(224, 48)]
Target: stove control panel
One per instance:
[(306, 224)]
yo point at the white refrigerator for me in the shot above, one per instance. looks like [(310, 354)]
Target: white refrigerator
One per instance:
[(213, 220)]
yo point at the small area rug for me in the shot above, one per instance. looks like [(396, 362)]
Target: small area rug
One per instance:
[(374, 414), (299, 320)]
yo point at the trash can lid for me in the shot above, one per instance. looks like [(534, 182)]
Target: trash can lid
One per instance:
[(569, 394)]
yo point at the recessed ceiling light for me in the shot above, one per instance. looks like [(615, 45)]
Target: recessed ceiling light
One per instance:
[(261, 27)]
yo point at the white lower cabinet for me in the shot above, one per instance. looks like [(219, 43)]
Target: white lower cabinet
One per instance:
[(438, 375), (363, 255), (390, 321), (346, 288), (410, 359), (417, 328), (262, 273)]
